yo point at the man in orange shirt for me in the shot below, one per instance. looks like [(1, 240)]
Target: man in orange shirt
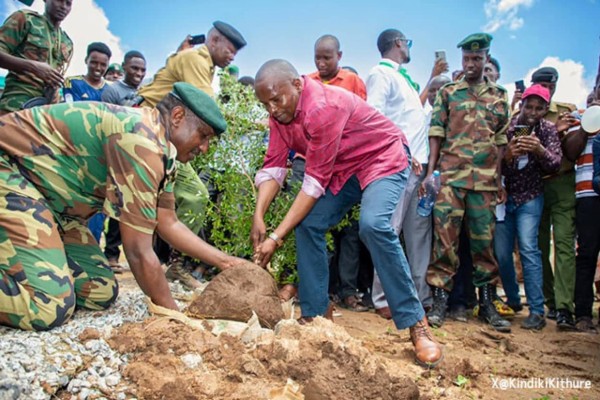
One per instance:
[(329, 72), (327, 58)]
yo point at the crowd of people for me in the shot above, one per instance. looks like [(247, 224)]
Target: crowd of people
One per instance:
[(518, 193)]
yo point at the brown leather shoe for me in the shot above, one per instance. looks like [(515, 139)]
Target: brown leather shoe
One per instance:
[(427, 351), (328, 315), (384, 312)]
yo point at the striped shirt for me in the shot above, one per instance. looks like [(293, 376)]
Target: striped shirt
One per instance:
[(585, 171)]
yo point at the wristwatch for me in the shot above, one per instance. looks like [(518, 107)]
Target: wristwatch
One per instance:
[(273, 236)]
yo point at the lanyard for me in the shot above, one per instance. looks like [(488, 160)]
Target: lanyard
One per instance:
[(402, 71)]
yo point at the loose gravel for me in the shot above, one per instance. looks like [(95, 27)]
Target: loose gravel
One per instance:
[(37, 365)]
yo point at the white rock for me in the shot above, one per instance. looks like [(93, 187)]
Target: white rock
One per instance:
[(191, 360), (113, 380)]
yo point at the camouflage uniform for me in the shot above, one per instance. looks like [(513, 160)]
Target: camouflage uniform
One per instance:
[(59, 165), (472, 121), (29, 35)]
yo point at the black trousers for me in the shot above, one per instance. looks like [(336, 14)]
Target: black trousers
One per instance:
[(587, 223), (113, 240)]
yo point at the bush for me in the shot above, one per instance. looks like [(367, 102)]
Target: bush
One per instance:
[(232, 163)]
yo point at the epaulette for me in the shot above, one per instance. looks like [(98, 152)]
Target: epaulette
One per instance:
[(569, 106)]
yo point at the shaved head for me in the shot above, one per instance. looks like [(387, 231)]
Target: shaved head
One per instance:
[(434, 87), (275, 70), (328, 40), (278, 87), (440, 80)]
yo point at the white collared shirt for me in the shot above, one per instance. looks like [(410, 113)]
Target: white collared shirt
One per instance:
[(391, 94)]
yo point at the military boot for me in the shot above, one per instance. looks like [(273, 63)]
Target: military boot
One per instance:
[(180, 269), (437, 315), (488, 312)]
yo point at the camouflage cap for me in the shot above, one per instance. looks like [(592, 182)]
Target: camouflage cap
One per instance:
[(476, 42), (545, 74), (230, 33), (201, 104)]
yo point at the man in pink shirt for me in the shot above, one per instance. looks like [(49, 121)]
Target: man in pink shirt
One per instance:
[(353, 154)]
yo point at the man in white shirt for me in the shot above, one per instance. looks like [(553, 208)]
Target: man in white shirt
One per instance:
[(391, 91)]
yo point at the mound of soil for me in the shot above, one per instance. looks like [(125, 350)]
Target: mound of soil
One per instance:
[(172, 360), (236, 292)]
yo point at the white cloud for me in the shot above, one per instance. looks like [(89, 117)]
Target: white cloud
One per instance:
[(507, 5), (516, 23), (86, 23), (504, 13), (572, 87)]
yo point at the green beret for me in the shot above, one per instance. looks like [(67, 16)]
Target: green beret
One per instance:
[(476, 42), (201, 104), (230, 33), (27, 2), (115, 67)]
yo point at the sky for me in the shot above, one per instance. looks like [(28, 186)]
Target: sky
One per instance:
[(527, 34)]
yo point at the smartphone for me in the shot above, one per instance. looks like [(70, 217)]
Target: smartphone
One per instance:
[(520, 86), (197, 39), (522, 130), (440, 54)]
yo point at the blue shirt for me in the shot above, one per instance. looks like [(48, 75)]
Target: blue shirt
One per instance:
[(77, 89)]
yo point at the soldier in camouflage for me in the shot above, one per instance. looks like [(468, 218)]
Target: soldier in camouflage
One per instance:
[(37, 52), (59, 165), (467, 139)]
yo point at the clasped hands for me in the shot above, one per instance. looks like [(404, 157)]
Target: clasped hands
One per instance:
[(264, 247)]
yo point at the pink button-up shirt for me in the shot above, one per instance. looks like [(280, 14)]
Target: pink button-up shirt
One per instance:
[(340, 135)]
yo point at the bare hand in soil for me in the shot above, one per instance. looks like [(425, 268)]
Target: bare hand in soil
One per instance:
[(264, 251)]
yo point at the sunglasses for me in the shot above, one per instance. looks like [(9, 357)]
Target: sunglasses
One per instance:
[(409, 42)]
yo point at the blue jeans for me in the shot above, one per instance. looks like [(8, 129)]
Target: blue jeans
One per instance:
[(523, 223), (378, 202)]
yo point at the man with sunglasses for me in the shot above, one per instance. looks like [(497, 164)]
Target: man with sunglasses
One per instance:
[(392, 92)]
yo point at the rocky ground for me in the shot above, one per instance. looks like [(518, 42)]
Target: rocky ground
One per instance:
[(124, 353)]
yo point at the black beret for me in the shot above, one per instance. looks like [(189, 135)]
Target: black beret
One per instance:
[(545, 74), (201, 104), (230, 33)]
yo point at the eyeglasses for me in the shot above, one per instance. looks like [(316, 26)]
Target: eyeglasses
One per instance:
[(409, 42)]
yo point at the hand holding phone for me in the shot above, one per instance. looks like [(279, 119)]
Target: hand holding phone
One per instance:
[(520, 86), (522, 130), (197, 39), (440, 54)]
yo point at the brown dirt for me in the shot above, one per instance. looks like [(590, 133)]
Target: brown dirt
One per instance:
[(481, 355), (89, 334), (361, 356), (322, 358), (236, 292)]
